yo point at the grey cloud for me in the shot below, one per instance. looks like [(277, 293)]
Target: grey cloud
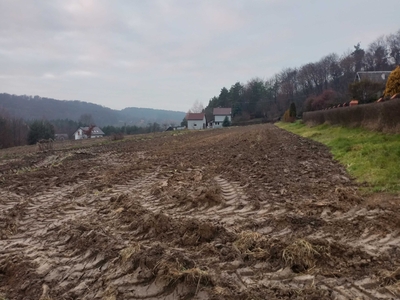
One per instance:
[(168, 53)]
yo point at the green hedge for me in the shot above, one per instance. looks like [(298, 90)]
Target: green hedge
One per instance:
[(384, 116)]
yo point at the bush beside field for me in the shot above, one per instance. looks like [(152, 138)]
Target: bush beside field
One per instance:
[(384, 116)]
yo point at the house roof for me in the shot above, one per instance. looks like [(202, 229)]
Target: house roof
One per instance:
[(375, 76), (222, 111), (195, 116), (96, 130)]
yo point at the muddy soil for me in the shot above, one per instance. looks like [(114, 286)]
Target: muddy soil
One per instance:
[(238, 213)]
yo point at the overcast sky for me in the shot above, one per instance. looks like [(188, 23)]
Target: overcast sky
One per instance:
[(169, 53)]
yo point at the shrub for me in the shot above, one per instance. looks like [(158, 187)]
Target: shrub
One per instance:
[(117, 136), (393, 83), (308, 104), (324, 100), (287, 117)]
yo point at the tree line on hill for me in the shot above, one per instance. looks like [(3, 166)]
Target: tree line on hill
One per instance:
[(37, 108), (26, 119), (18, 132), (312, 86)]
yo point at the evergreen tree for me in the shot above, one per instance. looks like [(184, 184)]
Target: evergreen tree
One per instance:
[(184, 122), (226, 122), (40, 130), (292, 110)]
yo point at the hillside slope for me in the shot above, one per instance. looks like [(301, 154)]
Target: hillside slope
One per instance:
[(29, 108)]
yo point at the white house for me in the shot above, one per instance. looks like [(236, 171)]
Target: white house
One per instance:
[(80, 133), (220, 113), (196, 121)]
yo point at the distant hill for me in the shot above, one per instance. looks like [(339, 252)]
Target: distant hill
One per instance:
[(142, 116), (30, 108)]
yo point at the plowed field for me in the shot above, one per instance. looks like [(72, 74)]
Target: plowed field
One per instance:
[(238, 213)]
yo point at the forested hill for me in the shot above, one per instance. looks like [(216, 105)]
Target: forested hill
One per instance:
[(314, 85), (30, 108)]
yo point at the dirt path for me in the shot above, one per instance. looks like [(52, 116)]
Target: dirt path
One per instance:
[(239, 213)]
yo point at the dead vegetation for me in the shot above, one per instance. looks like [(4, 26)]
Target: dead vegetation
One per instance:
[(45, 145), (174, 270), (116, 136), (301, 255), (252, 244)]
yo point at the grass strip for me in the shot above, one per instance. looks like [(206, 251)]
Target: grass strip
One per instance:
[(370, 157)]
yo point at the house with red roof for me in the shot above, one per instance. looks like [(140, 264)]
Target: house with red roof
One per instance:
[(196, 121), (220, 113)]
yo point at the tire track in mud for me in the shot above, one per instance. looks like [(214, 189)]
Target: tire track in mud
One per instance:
[(37, 239), (372, 244), (366, 238), (43, 214), (116, 277), (237, 208), (41, 237)]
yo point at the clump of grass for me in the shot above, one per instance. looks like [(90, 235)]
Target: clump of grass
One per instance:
[(250, 243), (211, 195), (371, 157), (220, 291), (392, 278), (173, 272), (128, 252), (302, 255)]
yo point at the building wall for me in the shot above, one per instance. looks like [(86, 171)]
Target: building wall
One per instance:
[(218, 120), (78, 134), (196, 124)]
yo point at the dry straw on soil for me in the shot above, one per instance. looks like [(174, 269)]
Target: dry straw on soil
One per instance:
[(173, 272), (251, 243), (392, 281), (128, 252), (302, 255), (392, 278)]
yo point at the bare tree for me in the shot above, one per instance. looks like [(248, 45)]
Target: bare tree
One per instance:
[(393, 41), (197, 107), (377, 55), (86, 119), (13, 131), (165, 125)]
